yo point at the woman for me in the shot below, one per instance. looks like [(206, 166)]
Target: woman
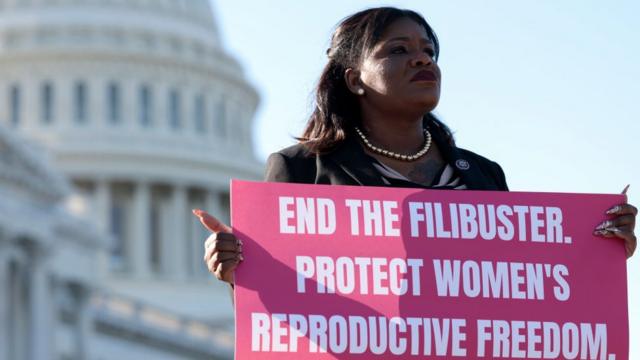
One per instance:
[(373, 126)]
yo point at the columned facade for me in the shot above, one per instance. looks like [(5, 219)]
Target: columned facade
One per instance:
[(142, 109), (180, 246), (27, 313)]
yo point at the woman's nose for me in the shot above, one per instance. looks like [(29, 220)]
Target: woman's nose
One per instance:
[(421, 59)]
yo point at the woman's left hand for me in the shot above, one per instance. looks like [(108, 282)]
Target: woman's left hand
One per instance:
[(622, 225)]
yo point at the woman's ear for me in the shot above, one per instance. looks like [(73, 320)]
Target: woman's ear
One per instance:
[(352, 79)]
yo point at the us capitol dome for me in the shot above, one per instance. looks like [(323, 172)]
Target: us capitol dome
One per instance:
[(140, 107)]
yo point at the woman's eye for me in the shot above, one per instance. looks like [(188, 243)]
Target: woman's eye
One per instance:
[(430, 51), (398, 50)]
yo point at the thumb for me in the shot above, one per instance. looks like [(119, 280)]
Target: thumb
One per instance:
[(210, 222)]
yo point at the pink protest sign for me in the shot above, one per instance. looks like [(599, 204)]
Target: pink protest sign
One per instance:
[(362, 273)]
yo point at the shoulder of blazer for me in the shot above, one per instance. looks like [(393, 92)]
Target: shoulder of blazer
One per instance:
[(345, 165), (294, 164), (488, 168), (477, 172)]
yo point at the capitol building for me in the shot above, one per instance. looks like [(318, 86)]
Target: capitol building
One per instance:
[(117, 117)]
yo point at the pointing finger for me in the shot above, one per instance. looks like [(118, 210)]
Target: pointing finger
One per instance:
[(210, 222)]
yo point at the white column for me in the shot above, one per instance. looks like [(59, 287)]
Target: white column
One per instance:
[(5, 109), (209, 99), (249, 122), (175, 244), (30, 110), (41, 326), (96, 103), (188, 109), (64, 99), (208, 114), (165, 234), (195, 250), (85, 324), (102, 200), (102, 208), (18, 307), (244, 130), (129, 98), (160, 105), (5, 292), (214, 118), (235, 123), (140, 244)]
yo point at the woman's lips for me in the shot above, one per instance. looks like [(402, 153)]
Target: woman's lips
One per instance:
[(424, 75)]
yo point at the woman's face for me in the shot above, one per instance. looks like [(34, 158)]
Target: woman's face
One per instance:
[(400, 73)]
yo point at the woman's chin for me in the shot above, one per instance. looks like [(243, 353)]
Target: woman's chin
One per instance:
[(425, 105)]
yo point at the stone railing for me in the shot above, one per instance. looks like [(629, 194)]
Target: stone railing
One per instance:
[(132, 317)]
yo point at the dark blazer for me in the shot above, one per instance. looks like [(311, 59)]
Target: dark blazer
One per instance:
[(350, 165)]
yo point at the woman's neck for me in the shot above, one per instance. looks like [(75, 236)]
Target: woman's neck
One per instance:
[(398, 134)]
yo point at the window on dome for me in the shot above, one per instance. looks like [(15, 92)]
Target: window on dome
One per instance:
[(174, 109), (46, 103), (14, 105), (145, 105), (198, 113), (80, 102), (114, 103)]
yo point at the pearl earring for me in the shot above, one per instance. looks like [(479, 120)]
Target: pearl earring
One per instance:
[(360, 91)]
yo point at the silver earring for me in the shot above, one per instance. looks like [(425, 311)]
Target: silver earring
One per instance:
[(360, 91)]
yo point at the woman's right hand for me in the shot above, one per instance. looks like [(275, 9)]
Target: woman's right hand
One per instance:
[(222, 250)]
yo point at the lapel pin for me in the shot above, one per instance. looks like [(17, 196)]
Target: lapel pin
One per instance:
[(462, 164)]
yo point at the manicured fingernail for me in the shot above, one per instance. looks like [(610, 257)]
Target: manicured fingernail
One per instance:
[(613, 210), (604, 224), (241, 257), (598, 232), (240, 242), (197, 212), (624, 191), (613, 229)]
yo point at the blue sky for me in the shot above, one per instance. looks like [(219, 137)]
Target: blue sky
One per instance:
[(549, 89)]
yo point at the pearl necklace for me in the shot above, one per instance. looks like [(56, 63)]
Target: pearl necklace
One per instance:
[(394, 155)]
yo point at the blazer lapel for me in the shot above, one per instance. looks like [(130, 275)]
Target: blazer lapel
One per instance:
[(352, 160), (467, 168)]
